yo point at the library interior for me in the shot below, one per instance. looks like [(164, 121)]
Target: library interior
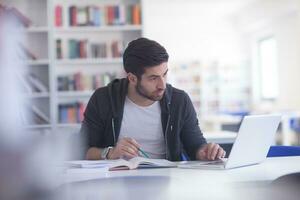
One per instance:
[(233, 58)]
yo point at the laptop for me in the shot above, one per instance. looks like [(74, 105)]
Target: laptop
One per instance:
[(255, 136)]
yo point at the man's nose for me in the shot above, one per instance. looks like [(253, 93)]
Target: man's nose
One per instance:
[(161, 83)]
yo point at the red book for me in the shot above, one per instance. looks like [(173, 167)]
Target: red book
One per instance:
[(82, 49), (110, 15), (58, 15)]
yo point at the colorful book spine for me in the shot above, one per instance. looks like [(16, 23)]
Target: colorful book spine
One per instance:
[(129, 14), (59, 49), (71, 112), (81, 16), (108, 15), (83, 49), (58, 16), (73, 16), (83, 82), (86, 49), (122, 15), (136, 14)]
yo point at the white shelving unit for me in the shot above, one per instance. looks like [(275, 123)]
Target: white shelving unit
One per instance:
[(214, 88), (86, 66), (41, 39), (39, 62), (88, 61), (98, 29), (75, 94)]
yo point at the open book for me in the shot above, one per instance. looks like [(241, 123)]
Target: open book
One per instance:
[(88, 163), (140, 162)]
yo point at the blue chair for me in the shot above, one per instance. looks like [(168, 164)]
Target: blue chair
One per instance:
[(277, 151)]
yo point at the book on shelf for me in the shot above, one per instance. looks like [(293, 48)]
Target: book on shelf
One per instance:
[(73, 16), (77, 48), (58, 16), (140, 162), (59, 49), (83, 82), (83, 48), (82, 16), (15, 13), (136, 14), (71, 112), (116, 49), (92, 15), (99, 50), (86, 49)]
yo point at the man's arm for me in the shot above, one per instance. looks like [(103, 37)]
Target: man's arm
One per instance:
[(193, 139), (191, 135), (126, 147), (93, 153), (92, 128)]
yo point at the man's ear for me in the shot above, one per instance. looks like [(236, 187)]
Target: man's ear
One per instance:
[(132, 78)]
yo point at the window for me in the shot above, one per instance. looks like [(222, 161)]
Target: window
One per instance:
[(268, 68)]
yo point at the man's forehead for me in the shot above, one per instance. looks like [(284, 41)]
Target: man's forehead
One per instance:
[(156, 70)]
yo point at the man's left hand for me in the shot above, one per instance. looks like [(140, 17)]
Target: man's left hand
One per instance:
[(210, 151)]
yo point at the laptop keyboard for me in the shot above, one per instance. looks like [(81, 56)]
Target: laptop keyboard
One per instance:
[(216, 162)]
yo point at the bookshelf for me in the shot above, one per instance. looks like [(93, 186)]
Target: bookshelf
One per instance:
[(214, 87), (68, 38), (99, 43)]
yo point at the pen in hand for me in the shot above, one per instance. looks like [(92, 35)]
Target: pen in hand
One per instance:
[(142, 152)]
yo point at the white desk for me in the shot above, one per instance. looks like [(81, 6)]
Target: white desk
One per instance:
[(175, 183)]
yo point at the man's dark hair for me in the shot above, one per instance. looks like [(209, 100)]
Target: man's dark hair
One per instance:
[(142, 53)]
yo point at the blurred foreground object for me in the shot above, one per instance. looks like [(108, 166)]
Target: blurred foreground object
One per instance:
[(28, 167)]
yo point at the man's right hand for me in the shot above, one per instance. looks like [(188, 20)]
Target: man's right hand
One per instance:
[(126, 147)]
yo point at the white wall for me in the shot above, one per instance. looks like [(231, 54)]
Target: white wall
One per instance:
[(282, 20), (193, 30), (227, 31)]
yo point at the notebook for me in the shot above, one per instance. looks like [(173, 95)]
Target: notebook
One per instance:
[(140, 162), (255, 136)]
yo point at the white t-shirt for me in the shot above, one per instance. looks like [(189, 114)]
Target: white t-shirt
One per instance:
[(144, 125)]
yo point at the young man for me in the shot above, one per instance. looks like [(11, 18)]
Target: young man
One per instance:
[(143, 112)]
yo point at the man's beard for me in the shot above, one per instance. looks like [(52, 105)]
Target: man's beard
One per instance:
[(142, 92)]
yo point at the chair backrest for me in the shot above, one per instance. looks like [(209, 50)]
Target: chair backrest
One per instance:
[(276, 151), (286, 187)]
